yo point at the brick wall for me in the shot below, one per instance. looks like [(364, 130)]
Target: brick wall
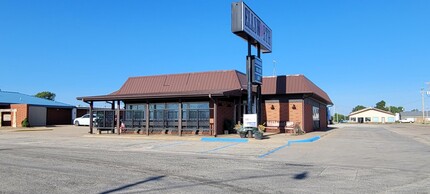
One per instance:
[(323, 117), (21, 113), (282, 111), (225, 111), (308, 120), (296, 115)]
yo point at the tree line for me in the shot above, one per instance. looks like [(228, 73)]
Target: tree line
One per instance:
[(382, 106)]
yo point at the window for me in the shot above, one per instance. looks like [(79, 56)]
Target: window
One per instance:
[(354, 119), (367, 119), (316, 113), (195, 115), (376, 119)]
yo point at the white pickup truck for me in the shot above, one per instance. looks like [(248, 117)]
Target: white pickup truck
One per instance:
[(407, 120)]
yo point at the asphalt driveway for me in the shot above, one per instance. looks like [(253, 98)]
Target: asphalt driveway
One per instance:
[(348, 159)]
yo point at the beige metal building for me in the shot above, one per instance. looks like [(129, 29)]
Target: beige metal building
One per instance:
[(371, 115)]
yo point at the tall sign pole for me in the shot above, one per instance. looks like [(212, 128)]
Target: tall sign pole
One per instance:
[(422, 103), (247, 25)]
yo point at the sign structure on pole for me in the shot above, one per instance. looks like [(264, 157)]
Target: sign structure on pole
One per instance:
[(256, 70), (246, 24), (250, 120)]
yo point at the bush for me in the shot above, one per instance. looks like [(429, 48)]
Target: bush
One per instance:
[(25, 123), (229, 125)]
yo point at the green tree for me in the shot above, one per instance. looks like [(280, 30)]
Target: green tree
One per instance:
[(381, 105), (46, 95), (358, 107), (338, 117), (395, 110)]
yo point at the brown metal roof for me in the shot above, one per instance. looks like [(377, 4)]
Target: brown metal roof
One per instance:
[(183, 83), (216, 83), (292, 84)]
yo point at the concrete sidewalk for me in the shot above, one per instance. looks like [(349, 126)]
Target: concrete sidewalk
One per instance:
[(271, 138)]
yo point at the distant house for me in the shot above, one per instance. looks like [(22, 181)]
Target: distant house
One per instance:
[(416, 116), (15, 107), (371, 115)]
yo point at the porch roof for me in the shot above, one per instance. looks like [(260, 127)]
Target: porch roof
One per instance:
[(202, 84)]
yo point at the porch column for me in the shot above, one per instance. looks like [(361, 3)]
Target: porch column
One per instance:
[(118, 121), (234, 112), (91, 117), (215, 117), (180, 118), (14, 118), (258, 104), (147, 118)]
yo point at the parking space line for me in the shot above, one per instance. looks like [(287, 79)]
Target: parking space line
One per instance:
[(167, 145), (273, 151), (217, 139), (309, 140), (220, 148)]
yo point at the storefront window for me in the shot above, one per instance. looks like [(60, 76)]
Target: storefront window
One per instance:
[(195, 115), (367, 119)]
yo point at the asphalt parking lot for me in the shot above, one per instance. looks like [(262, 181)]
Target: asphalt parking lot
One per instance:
[(348, 159)]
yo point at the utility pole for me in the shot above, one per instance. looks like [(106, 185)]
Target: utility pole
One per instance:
[(422, 103)]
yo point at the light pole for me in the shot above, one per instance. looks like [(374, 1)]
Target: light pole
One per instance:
[(422, 103)]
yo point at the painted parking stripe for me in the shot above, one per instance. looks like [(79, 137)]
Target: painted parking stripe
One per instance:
[(273, 151), (167, 145), (217, 139), (220, 148), (309, 140)]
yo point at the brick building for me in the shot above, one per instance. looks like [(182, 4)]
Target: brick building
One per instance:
[(208, 102), (15, 107)]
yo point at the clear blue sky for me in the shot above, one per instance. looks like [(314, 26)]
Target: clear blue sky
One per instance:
[(359, 52)]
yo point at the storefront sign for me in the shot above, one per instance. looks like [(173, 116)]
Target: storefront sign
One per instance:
[(246, 24), (256, 70), (250, 120)]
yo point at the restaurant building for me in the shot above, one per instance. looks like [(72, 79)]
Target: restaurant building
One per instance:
[(208, 103)]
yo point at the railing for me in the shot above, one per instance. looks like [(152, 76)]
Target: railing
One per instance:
[(159, 120)]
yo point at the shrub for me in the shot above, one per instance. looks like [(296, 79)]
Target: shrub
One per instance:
[(25, 123)]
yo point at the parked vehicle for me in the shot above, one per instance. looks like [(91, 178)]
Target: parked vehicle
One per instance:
[(407, 120), (84, 120)]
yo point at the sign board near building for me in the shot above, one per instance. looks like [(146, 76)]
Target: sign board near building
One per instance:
[(250, 120), (256, 70), (246, 24)]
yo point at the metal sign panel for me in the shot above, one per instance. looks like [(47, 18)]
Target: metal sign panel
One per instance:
[(246, 24), (256, 70), (250, 120)]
